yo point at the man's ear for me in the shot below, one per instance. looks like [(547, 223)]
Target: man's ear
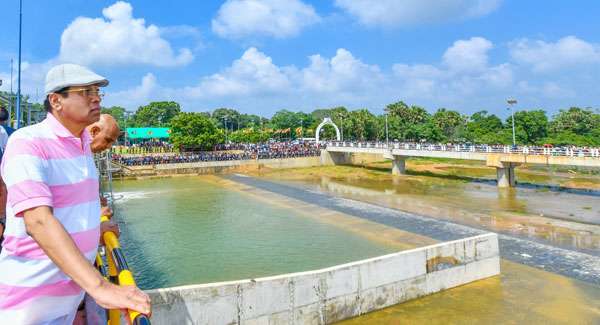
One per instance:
[(94, 130), (54, 100)]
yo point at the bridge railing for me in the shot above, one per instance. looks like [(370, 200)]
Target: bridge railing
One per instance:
[(527, 150)]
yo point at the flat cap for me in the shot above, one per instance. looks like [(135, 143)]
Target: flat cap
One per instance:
[(68, 75)]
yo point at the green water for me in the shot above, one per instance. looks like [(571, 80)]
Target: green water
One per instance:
[(180, 231)]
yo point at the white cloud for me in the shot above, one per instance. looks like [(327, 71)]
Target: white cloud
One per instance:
[(148, 90), (566, 52), (468, 55), (277, 18), (118, 39), (463, 78), (464, 70), (253, 73), (394, 13), (341, 73)]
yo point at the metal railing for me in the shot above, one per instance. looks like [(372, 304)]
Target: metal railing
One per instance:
[(118, 272), (580, 152)]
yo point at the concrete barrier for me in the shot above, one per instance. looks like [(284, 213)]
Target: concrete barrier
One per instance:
[(331, 294)]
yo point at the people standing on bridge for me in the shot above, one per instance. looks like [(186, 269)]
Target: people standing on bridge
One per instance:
[(53, 227)]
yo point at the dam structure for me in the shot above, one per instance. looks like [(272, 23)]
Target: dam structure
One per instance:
[(503, 158), (332, 294)]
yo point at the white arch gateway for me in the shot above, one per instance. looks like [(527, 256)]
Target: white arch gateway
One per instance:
[(326, 121)]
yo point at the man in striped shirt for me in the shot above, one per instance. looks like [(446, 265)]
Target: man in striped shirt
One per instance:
[(53, 210)]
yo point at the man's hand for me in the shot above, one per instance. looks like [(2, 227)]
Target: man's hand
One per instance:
[(111, 296), (106, 211), (108, 226)]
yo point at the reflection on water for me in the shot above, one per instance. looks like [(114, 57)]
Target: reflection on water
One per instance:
[(564, 219), (186, 231)]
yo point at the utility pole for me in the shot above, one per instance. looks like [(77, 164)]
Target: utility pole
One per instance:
[(11, 96), (387, 139), (225, 121), (18, 110), (512, 102)]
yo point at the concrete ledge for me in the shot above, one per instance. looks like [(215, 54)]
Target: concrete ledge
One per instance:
[(331, 294)]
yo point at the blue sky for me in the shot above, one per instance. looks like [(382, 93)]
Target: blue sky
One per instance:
[(262, 56)]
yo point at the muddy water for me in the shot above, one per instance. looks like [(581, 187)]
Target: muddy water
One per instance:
[(520, 295), (562, 218), (195, 230)]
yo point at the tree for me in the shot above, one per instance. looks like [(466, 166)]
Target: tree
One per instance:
[(118, 113), (484, 128), (450, 123), (575, 120), (530, 126), (227, 118), (361, 125), (250, 135), (156, 114), (404, 121), (195, 130), (249, 121)]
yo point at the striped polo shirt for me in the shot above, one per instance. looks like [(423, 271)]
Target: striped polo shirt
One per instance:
[(45, 165)]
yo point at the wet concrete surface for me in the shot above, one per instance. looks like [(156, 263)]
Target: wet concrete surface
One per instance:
[(581, 264)]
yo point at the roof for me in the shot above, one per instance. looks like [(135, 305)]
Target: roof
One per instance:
[(148, 133)]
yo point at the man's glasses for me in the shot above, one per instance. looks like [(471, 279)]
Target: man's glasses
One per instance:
[(86, 92)]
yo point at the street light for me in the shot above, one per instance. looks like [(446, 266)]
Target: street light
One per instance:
[(387, 139), (225, 122), (18, 108), (511, 102)]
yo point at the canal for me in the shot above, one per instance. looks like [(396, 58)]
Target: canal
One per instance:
[(191, 230)]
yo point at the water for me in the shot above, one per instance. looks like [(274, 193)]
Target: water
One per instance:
[(192, 230), (569, 219)]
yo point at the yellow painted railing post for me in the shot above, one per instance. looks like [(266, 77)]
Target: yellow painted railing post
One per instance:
[(121, 275)]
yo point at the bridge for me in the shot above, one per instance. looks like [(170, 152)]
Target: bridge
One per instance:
[(503, 158)]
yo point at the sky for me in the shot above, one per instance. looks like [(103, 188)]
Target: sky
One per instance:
[(261, 56)]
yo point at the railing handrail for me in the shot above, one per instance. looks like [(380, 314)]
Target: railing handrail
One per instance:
[(527, 150), (119, 273)]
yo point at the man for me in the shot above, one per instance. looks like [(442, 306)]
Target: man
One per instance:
[(104, 133), (3, 140), (4, 120), (5, 132), (53, 227)]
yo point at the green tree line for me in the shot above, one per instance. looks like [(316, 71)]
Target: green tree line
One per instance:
[(572, 126)]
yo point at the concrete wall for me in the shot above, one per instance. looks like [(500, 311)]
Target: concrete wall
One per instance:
[(329, 158), (210, 167), (332, 294)]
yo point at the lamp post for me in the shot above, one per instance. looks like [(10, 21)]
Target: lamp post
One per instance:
[(18, 108), (387, 138), (511, 102), (225, 122)]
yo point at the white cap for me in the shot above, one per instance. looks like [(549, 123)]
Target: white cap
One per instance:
[(68, 75)]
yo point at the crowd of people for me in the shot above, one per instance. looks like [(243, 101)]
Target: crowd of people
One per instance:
[(275, 150)]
